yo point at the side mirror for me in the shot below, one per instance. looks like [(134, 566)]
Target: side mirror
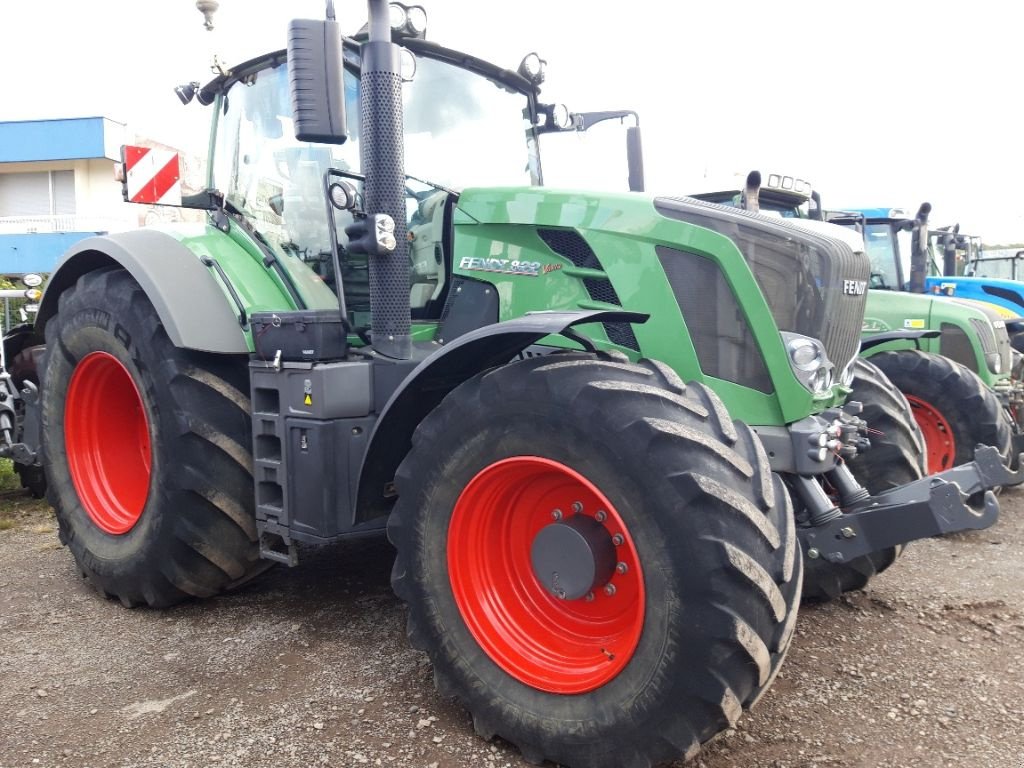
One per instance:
[(316, 77), (635, 158)]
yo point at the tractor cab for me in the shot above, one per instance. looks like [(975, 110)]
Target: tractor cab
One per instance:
[(1001, 267), (280, 184), (888, 240), (788, 197)]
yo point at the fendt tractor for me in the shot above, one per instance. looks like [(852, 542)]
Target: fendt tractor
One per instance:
[(955, 409), (580, 417), (952, 361)]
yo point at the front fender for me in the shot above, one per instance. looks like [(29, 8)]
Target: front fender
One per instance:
[(189, 301), (899, 335), (430, 381)]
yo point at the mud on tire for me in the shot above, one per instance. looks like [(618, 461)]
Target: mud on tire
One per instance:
[(196, 533), (710, 525)]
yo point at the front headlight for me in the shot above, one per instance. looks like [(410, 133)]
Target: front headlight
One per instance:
[(995, 362), (809, 361)]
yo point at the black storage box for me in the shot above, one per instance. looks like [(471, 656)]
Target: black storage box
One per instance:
[(310, 335)]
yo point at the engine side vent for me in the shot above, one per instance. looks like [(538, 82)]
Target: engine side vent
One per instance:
[(569, 244), (721, 335), (956, 345)]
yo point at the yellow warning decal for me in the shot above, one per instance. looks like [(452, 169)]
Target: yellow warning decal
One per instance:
[(915, 324), (308, 400)]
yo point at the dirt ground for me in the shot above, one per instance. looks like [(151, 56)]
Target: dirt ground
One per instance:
[(310, 666)]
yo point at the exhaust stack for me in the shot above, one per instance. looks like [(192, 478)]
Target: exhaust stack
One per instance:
[(383, 162)]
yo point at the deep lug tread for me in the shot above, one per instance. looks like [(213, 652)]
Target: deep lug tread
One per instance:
[(197, 534), (737, 626), (669, 378), (758, 577), (697, 483), (971, 408)]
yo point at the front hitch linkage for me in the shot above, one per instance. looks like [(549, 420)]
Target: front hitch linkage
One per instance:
[(931, 506)]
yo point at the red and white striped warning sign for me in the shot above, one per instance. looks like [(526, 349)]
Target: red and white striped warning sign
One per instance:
[(151, 176)]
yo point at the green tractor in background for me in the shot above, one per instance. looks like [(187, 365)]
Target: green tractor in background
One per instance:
[(580, 417), (974, 392)]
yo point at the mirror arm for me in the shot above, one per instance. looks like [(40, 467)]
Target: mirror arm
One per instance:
[(583, 121)]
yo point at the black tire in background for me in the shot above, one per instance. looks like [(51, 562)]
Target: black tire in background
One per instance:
[(953, 407), (24, 369), (713, 534), (896, 457), (196, 533)]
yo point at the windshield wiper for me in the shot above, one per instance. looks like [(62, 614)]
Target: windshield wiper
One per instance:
[(433, 184), (270, 259)]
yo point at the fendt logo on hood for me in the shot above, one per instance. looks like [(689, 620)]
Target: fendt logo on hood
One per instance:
[(854, 287)]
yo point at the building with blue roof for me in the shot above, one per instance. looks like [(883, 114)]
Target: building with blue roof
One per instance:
[(57, 187)]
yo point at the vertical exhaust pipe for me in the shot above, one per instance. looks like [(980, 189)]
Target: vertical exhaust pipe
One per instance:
[(750, 197), (383, 162), (919, 249)]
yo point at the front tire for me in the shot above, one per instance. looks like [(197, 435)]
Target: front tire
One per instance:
[(896, 457), (147, 446), (706, 573), (952, 406)]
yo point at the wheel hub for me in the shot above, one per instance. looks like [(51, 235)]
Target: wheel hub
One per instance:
[(508, 539), (573, 557)]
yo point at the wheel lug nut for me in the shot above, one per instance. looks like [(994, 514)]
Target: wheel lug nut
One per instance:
[(621, 568), (590, 597), (600, 516), (617, 540), (577, 507), (609, 589), (556, 514)]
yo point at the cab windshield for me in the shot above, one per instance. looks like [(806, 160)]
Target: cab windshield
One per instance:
[(461, 129), (885, 249)]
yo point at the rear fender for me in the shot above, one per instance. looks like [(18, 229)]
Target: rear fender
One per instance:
[(428, 384), (186, 295)]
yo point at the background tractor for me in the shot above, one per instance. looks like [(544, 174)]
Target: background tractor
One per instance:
[(580, 417), (952, 406)]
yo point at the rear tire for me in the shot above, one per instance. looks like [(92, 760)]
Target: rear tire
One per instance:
[(24, 370), (709, 527), (155, 497), (896, 457), (953, 407)]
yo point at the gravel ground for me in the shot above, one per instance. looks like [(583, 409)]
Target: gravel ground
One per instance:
[(310, 666)]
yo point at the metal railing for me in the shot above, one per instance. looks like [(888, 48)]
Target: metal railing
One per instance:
[(20, 225)]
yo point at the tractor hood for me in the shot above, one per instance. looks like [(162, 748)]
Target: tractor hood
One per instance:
[(968, 334), (1005, 296)]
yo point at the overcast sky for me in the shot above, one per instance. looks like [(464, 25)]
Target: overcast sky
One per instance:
[(876, 103)]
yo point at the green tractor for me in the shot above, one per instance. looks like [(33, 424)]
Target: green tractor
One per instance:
[(952, 360), (580, 417), (970, 390)]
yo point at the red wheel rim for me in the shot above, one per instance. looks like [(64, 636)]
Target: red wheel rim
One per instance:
[(106, 433), (940, 445), (552, 644)]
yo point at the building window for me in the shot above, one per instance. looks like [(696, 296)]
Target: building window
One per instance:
[(43, 193)]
